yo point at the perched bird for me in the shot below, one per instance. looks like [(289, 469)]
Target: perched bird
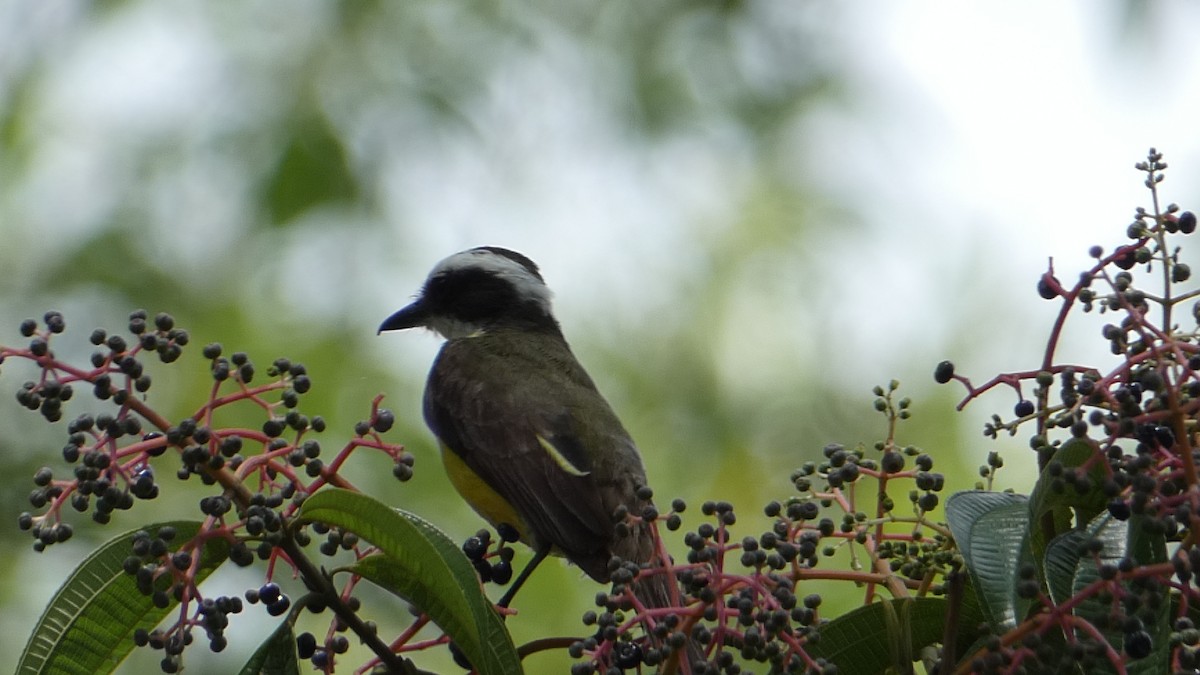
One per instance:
[(526, 438)]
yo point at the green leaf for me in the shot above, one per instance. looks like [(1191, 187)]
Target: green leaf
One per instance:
[(1062, 560), (88, 626), (1145, 545), (870, 639), (275, 656), (897, 618), (990, 529), (421, 564), (1051, 511)]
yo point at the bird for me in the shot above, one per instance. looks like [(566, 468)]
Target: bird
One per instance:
[(526, 437)]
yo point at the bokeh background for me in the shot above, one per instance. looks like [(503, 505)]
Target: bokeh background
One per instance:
[(750, 212)]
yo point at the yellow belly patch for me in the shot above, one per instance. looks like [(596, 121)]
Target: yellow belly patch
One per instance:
[(481, 497)]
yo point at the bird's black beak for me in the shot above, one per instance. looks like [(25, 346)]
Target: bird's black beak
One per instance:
[(410, 317)]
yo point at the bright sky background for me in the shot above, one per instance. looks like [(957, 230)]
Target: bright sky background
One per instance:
[(1005, 133)]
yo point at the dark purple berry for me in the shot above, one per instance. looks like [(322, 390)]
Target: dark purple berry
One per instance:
[(502, 572), (627, 654), (268, 593), (1138, 644), (1119, 509), (306, 645), (1187, 222), (1046, 288), (55, 322), (384, 419), (944, 372)]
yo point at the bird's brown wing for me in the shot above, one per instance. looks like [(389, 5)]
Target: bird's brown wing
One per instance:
[(521, 413)]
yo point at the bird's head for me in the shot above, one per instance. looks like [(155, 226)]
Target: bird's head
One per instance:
[(477, 290)]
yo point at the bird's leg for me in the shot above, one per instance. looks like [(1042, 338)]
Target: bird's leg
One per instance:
[(538, 555)]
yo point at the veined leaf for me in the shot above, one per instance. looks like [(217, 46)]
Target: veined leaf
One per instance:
[(1051, 510), (870, 639), (88, 626), (421, 564), (1145, 545), (991, 530)]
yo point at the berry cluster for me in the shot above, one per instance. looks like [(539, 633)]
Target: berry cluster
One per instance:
[(493, 565), (115, 359), (744, 600), (320, 656), (260, 476), (165, 575)]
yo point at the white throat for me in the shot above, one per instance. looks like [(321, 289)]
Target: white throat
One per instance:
[(452, 329)]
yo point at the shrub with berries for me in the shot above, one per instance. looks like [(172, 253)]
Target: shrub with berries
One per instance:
[(258, 479), (1092, 570), (1103, 549)]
